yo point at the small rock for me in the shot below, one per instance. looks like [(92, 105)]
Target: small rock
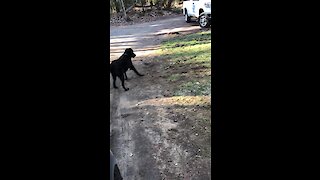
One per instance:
[(173, 130)]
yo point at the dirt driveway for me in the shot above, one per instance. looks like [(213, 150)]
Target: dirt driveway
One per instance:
[(140, 130)]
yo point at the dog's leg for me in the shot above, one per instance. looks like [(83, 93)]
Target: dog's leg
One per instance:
[(134, 69), (125, 75), (122, 82), (114, 77)]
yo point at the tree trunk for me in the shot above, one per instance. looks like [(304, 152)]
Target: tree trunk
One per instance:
[(129, 8), (124, 10), (143, 3), (169, 4), (161, 4), (117, 5)]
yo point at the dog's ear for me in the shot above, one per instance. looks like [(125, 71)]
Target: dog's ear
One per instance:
[(128, 50)]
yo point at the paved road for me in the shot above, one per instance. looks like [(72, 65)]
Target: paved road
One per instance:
[(143, 38)]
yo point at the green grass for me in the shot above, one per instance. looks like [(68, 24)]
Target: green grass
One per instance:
[(191, 53), (195, 88), (174, 77), (192, 39)]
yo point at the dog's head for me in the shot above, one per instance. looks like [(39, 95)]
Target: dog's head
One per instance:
[(129, 52)]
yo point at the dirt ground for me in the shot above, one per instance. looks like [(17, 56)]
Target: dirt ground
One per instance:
[(152, 135)]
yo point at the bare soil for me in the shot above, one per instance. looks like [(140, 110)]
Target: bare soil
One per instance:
[(154, 134)]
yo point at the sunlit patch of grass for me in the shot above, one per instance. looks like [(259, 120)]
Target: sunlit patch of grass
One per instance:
[(178, 100), (189, 40), (195, 88), (195, 54)]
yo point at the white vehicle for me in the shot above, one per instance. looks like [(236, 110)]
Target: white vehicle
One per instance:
[(199, 9)]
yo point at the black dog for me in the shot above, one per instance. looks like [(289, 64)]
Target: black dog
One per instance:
[(120, 66)]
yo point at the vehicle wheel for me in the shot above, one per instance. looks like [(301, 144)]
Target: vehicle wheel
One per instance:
[(117, 174), (186, 17), (204, 21)]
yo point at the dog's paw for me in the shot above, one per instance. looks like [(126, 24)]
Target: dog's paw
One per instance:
[(126, 89), (141, 74), (115, 87)]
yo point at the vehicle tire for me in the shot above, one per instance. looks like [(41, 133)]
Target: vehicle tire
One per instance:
[(186, 17), (204, 21), (117, 174)]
